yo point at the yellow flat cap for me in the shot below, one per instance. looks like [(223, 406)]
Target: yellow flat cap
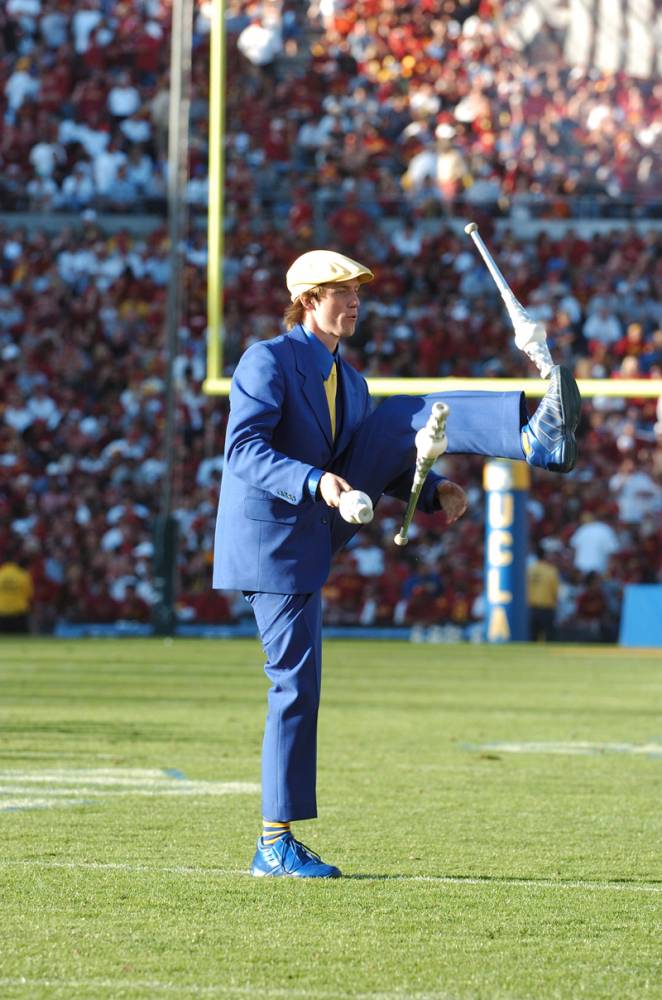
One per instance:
[(323, 267)]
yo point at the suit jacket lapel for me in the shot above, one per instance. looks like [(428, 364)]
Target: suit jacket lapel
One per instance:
[(311, 384)]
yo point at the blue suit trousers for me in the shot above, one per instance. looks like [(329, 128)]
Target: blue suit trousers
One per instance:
[(290, 627)]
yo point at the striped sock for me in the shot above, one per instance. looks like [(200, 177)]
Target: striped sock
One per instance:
[(272, 830)]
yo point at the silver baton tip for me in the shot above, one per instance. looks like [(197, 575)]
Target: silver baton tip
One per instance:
[(471, 228), (439, 408)]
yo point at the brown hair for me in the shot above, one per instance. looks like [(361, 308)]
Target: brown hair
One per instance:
[(295, 312)]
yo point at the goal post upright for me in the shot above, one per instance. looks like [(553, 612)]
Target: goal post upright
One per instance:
[(216, 210)]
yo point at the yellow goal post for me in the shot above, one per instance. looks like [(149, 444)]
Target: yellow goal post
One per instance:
[(216, 385)]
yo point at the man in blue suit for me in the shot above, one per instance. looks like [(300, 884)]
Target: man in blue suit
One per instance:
[(301, 432)]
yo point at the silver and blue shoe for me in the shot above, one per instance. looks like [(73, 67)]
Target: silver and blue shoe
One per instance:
[(289, 857), (548, 439)]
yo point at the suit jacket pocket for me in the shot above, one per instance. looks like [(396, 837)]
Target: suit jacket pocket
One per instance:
[(270, 510)]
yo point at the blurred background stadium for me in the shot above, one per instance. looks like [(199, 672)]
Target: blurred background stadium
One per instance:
[(378, 128)]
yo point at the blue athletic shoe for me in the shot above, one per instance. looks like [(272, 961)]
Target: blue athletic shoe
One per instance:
[(291, 858), (548, 439)]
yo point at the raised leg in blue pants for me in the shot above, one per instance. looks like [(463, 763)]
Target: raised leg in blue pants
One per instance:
[(384, 449)]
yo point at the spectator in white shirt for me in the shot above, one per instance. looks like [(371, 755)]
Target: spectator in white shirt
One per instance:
[(123, 98), (77, 189), (369, 556), (106, 165), (11, 313), (54, 25), (260, 43), (122, 192), (42, 193), (209, 471), (157, 267), (16, 414), (121, 510), (197, 188), (83, 23), (45, 156), (407, 240), (137, 127), (571, 306), (75, 264), (593, 543), (308, 140), (196, 250), (93, 140), (109, 267), (42, 407), (603, 298), (602, 326), (637, 494), (140, 169), (19, 86)]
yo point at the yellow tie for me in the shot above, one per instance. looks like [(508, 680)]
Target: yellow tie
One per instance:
[(330, 386)]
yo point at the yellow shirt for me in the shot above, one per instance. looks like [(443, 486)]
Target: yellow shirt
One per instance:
[(542, 585), (16, 590)]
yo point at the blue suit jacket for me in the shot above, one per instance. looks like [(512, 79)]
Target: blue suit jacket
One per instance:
[(271, 535)]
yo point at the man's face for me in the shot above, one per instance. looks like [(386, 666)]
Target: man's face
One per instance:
[(336, 313)]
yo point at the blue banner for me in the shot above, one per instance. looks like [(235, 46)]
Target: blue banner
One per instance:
[(506, 541), (641, 620)]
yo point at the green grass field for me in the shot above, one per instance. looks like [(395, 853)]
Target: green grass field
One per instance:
[(497, 813)]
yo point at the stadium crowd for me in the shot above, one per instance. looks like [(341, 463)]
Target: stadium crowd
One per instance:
[(431, 102), (83, 410), (368, 126)]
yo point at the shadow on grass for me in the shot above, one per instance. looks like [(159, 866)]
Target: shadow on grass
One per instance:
[(502, 880)]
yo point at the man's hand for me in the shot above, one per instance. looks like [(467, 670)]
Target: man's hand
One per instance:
[(452, 499), (331, 487)]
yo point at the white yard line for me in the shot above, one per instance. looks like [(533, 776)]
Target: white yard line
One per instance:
[(579, 748), (486, 880), (45, 788), (9, 754), (183, 989), (56, 773), (11, 805), (128, 779), (104, 789)]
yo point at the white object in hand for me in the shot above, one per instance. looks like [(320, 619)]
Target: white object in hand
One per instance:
[(356, 507), (431, 443)]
